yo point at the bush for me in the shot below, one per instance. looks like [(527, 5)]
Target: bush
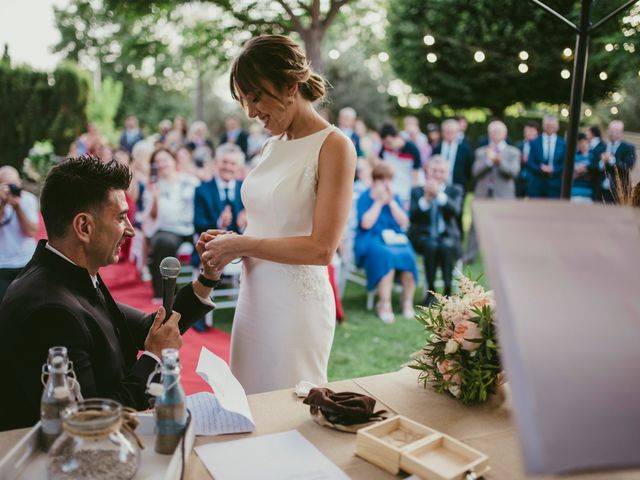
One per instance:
[(37, 105)]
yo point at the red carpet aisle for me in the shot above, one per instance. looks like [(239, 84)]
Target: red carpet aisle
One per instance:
[(125, 286)]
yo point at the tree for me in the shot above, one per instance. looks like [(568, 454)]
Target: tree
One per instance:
[(473, 55), (310, 19)]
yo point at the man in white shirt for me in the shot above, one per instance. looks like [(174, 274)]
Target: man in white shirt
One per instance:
[(19, 224)]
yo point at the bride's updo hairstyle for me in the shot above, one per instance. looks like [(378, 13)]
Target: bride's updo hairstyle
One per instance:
[(279, 60)]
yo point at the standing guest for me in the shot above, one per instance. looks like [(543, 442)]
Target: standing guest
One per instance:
[(164, 128), (457, 154), (462, 134), (19, 225), (434, 231), (381, 247), (546, 161), (234, 133), (433, 135), (177, 136), (131, 134), (596, 145), (89, 142), (200, 144), (347, 118), (584, 172), (169, 206), (413, 133), (60, 299), (257, 137), (123, 157), (218, 203), (404, 158), (494, 171), (615, 162), (530, 133)]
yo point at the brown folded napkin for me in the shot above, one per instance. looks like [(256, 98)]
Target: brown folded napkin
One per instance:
[(345, 411)]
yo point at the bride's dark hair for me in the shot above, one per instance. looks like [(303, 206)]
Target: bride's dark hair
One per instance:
[(279, 60)]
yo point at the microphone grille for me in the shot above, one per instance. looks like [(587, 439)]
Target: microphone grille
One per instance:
[(170, 267)]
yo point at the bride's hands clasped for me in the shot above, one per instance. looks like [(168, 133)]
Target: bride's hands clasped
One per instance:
[(221, 248)]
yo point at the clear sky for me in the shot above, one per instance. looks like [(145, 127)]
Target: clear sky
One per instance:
[(28, 27)]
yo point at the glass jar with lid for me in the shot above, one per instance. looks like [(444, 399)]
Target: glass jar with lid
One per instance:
[(97, 442)]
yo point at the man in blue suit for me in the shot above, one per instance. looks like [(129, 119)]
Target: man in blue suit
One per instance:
[(546, 161), (217, 203), (131, 134), (616, 159)]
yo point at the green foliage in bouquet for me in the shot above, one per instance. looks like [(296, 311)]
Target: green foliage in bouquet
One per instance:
[(460, 356), (40, 160)]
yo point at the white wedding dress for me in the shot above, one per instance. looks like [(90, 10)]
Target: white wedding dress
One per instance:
[(285, 317)]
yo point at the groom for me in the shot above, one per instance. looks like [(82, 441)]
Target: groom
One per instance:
[(60, 299)]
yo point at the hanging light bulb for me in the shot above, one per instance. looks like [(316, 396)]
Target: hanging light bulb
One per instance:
[(383, 56), (523, 56), (429, 40), (603, 76), (479, 56), (565, 74), (334, 54), (432, 58), (588, 112), (523, 68), (609, 47), (614, 110), (567, 52), (564, 112)]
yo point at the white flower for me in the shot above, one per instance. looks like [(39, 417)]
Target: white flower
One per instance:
[(455, 390), (451, 347)]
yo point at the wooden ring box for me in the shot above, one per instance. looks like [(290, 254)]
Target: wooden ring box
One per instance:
[(399, 443)]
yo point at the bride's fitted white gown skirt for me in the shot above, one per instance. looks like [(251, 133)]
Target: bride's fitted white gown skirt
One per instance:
[(285, 318)]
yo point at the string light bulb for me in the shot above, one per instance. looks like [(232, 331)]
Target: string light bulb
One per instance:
[(523, 56), (567, 52), (523, 68), (432, 58), (564, 112), (429, 40), (614, 110), (334, 54), (603, 76), (588, 112), (479, 56), (609, 47), (383, 56), (565, 74)]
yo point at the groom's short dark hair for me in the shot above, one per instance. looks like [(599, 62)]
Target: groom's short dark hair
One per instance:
[(78, 185)]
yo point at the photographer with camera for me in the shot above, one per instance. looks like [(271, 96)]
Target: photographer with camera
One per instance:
[(19, 224)]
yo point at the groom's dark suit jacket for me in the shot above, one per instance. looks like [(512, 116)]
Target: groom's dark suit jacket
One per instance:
[(53, 302)]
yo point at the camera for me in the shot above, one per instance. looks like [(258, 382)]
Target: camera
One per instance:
[(14, 190)]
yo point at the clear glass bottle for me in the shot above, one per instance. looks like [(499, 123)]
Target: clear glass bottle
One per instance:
[(96, 443), (57, 395), (170, 409)]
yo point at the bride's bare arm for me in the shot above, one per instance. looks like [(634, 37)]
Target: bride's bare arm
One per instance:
[(336, 170)]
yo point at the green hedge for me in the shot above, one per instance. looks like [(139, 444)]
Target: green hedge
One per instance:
[(37, 106)]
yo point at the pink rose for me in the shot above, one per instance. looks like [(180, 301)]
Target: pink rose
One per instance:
[(464, 331), (448, 366)]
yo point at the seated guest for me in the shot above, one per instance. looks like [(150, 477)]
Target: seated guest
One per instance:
[(19, 225), (404, 158), (131, 134), (169, 207), (217, 203), (494, 171), (434, 230), (234, 133), (530, 132), (616, 161), (381, 247), (546, 161), (59, 299), (584, 171)]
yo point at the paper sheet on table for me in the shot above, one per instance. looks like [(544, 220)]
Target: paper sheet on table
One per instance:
[(567, 284), (279, 456), (227, 409)]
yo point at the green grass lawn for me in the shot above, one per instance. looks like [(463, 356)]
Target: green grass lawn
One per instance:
[(363, 344)]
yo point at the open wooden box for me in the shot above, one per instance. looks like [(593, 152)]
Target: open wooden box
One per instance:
[(402, 444)]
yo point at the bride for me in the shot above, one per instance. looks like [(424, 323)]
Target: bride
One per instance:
[(297, 201)]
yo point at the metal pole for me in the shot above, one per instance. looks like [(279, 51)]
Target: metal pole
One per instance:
[(577, 91)]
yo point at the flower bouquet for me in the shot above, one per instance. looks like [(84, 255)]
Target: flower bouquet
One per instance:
[(461, 353)]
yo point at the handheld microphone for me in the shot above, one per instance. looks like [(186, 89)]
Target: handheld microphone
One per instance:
[(169, 269)]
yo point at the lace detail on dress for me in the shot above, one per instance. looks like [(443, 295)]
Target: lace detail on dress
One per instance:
[(310, 175), (307, 281)]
